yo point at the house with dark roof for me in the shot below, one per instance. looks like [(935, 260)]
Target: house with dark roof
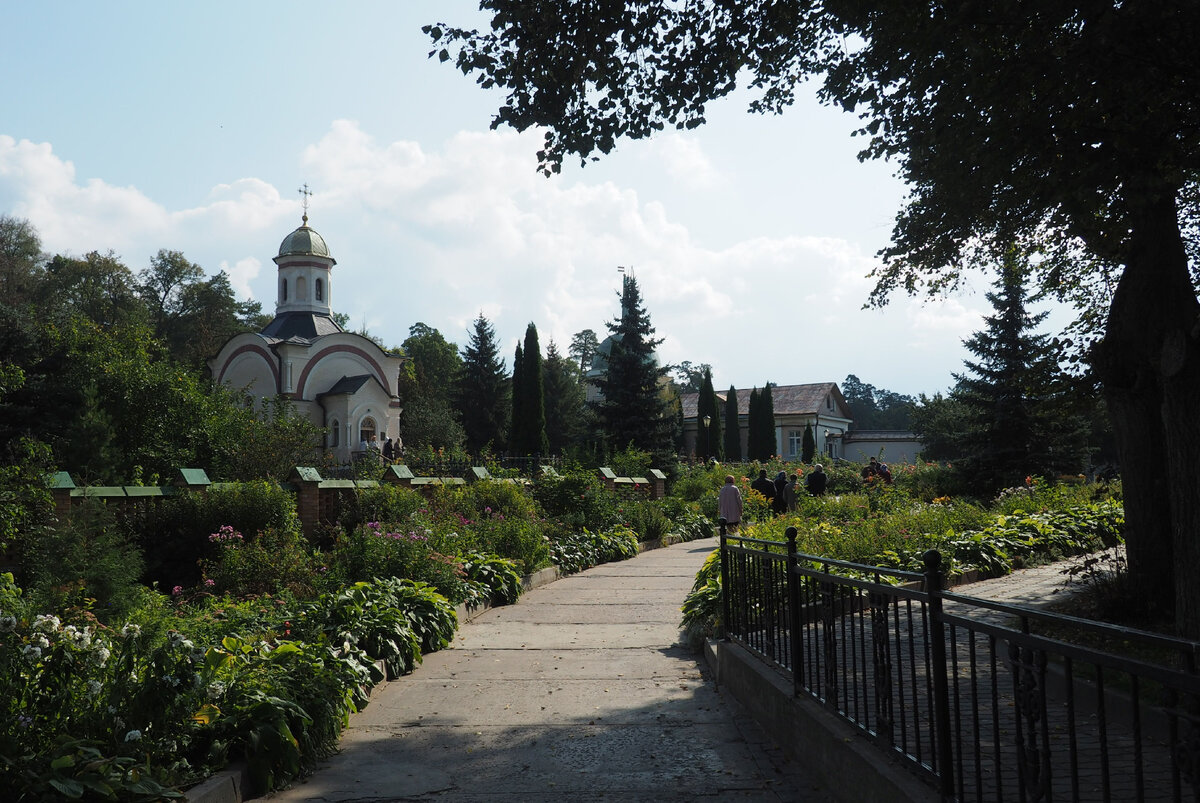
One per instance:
[(821, 406), (344, 382)]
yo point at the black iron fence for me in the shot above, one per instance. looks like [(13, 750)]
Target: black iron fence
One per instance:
[(985, 700)]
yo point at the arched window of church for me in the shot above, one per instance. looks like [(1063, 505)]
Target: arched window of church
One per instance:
[(335, 434), (283, 289), (301, 290), (319, 290), (366, 429)]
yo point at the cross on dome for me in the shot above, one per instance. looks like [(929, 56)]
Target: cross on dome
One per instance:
[(305, 194)]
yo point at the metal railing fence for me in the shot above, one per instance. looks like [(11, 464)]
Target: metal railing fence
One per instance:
[(987, 701)]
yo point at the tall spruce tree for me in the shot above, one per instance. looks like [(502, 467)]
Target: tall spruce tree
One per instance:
[(733, 428), (1019, 417), (708, 436), (632, 410), (483, 391), (529, 429)]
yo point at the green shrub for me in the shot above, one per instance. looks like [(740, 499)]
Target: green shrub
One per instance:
[(269, 562), (648, 520), (521, 538), (495, 579), (410, 552), (576, 500), (578, 551), (85, 562), (174, 534), (386, 503), (702, 609)]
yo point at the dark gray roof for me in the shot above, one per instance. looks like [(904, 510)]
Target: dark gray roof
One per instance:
[(348, 384), (306, 325), (785, 399)]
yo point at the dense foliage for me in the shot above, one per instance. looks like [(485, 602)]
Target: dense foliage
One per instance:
[(1066, 128)]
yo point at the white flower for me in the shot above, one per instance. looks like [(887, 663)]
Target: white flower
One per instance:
[(77, 636), (8, 624), (31, 651), (102, 655), (94, 687), (131, 630), (133, 736), (46, 623), (40, 641), (215, 690)]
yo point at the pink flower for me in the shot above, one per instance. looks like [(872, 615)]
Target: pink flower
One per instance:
[(176, 591), (210, 583)]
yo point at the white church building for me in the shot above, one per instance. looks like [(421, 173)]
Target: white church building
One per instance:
[(344, 382)]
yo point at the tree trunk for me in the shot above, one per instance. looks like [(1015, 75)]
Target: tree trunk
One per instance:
[(1149, 362)]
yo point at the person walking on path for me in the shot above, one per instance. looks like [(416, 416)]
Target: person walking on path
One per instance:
[(729, 504)]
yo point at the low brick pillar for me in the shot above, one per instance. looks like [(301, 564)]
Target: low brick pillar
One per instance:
[(658, 484), (308, 497), (61, 485), (193, 479), (610, 478), (398, 474)]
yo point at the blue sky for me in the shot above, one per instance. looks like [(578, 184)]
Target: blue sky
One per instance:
[(136, 126)]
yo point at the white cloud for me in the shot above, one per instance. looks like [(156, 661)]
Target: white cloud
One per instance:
[(438, 234), (684, 159)]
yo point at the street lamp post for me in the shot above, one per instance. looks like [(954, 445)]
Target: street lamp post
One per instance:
[(707, 438)]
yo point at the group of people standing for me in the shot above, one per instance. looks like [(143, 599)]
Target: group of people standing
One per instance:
[(391, 451), (781, 493)]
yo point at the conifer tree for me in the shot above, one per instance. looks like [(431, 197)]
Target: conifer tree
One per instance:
[(733, 430), (483, 391), (518, 401), (753, 428), (1019, 417), (529, 431), (632, 409), (708, 437), (565, 404), (808, 445), (766, 420)]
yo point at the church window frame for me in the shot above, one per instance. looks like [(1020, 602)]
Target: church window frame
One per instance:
[(301, 289), (319, 290), (283, 289)]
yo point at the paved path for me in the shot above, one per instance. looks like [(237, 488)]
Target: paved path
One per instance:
[(580, 692)]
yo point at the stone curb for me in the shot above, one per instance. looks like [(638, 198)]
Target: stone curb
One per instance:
[(231, 785), (841, 756)]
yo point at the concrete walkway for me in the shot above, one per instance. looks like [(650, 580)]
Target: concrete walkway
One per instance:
[(579, 692)]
